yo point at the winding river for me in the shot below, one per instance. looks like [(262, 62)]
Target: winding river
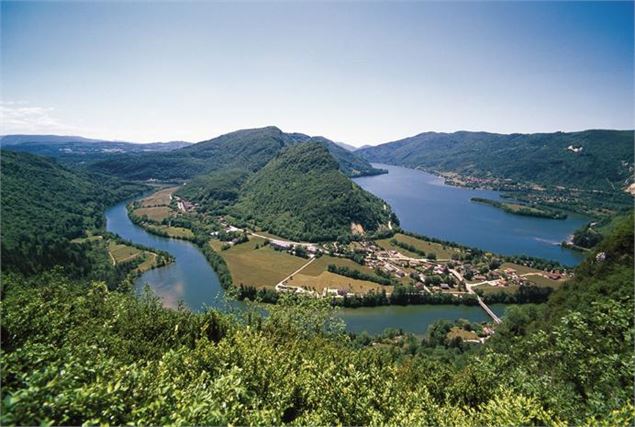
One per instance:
[(190, 279)]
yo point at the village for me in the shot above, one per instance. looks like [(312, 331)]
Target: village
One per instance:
[(357, 268), (426, 274)]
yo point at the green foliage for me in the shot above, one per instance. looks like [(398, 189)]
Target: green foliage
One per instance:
[(302, 195), (74, 354), (45, 205), (216, 191)]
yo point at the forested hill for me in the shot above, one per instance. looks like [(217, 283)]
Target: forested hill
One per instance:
[(592, 159), (44, 205), (248, 149), (302, 194)]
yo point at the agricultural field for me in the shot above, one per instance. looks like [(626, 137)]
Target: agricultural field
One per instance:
[(176, 232), (442, 252), (327, 279), (322, 263), (542, 281), (262, 267), (317, 276), (156, 213), (148, 263), (160, 198), (123, 253)]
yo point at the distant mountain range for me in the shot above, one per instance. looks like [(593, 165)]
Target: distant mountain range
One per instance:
[(592, 159), (79, 148), (247, 149)]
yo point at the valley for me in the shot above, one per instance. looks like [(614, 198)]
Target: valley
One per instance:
[(401, 269)]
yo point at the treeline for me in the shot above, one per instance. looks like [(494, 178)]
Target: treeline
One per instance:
[(359, 275), (215, 260), (522, 210), (405, 295), (525, 295)]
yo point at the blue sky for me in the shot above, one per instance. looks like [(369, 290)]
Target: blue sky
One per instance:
[(360, 73)]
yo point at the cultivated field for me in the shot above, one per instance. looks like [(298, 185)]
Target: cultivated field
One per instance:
[(156, 214), (442, 252), (178, 232), (160, 198), (122, 253), (327, 279), (263, 267), (544, 281), (149, 262), (317, 276), (322, 263)]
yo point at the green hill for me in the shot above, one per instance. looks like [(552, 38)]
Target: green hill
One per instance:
[(248, 149), (45, 205), (302, 194), (592, 159)]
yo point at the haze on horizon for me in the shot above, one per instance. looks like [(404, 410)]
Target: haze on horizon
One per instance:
[(359, 73)]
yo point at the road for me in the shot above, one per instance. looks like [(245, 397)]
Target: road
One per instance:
[(290, 242), (484, 306), (295, 272)]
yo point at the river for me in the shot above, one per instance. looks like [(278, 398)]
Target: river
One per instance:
[(426, 205), (191, 279)]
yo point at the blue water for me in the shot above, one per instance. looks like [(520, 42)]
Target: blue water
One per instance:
[(426, 205), (412, 318), (189, 279)]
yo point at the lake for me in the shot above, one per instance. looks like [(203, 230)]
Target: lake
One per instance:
[(191, 279), (426, 205)]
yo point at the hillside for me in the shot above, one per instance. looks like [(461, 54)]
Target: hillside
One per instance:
[(593, 159), (248, 149), (45, 205), (301, 194), (76, 353)]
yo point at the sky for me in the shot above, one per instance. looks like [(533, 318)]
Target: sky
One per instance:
[(354, 72)]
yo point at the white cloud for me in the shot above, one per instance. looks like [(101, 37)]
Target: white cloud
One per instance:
[(19, 117)]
